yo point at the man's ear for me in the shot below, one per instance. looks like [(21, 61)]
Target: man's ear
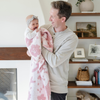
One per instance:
[(63, 19)]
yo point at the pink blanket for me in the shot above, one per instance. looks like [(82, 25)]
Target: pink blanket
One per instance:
[(39, 86)]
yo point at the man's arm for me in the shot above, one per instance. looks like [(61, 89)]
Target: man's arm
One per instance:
[(62, 54)]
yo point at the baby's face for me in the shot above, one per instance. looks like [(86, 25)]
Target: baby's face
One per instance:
[(34, 24)]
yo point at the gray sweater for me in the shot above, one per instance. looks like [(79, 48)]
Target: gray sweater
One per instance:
[(65, 43)]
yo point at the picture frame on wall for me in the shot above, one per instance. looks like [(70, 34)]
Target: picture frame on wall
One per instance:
[(79, 53), (86, 29)]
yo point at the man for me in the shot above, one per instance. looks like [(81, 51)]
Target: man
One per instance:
[(65, 42)]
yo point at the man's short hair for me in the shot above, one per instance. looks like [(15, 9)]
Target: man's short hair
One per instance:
[(65, 8)]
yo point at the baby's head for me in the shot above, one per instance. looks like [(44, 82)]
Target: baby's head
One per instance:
[(32, 22)]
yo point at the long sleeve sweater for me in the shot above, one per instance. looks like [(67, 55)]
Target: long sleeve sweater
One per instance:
[(65, 43)]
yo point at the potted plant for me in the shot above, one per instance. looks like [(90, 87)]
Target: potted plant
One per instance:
[(79, 1), (85, 5)]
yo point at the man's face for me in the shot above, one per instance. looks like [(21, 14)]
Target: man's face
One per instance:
[(33, 24), (54, 18)]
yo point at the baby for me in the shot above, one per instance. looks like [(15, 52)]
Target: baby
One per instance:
[(39, 86), (32, 26), (32, 22)]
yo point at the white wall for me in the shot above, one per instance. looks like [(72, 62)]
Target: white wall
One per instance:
[(12, 20), (12, 27)]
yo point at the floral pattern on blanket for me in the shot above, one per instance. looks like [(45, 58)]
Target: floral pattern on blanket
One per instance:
[(39, 85)]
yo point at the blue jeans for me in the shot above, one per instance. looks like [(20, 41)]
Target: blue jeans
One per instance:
[(58, 96)]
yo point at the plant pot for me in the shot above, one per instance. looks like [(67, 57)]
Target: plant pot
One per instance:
[(86, 5)]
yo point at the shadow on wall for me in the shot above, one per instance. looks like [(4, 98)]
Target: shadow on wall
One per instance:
[(46, 5)]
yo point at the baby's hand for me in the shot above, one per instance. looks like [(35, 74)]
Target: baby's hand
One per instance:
[(37, 30), (28, 53)]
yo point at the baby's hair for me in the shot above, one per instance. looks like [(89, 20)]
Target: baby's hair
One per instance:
[(29, 18)]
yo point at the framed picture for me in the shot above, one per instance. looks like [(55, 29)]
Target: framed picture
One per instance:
[(94, 50), (8, 83), (86, 29), (79, 53)]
